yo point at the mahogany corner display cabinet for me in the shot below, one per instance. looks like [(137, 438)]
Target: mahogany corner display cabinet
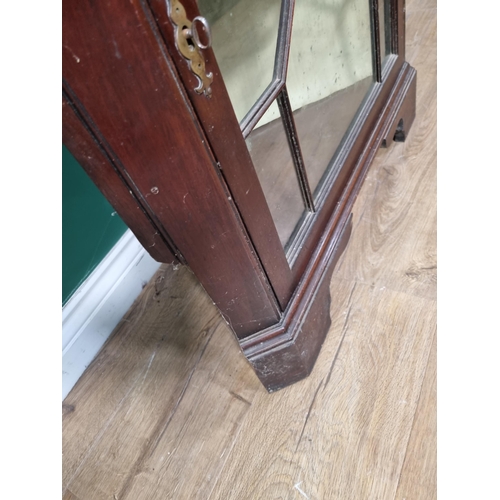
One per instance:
[(233, 136)]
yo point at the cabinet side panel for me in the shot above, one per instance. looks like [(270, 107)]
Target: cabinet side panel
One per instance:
[(83, 146)]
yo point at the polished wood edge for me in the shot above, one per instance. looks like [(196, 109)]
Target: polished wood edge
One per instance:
[(282, 332), (288, 120), (261, 106), (284, 40), (286, 352), (376, 55)]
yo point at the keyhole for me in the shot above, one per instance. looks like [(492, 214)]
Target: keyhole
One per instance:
[(187, 35)]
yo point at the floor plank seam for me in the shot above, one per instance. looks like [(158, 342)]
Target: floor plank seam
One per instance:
[(235, 440), (104, 429), (414, 417)]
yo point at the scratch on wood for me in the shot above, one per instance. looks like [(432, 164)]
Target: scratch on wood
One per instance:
[(344, 331), (161, 427), (308, 414), (145, 374), (150, 362), (241, 398), (75, 57), (297, 487), (98, 438)]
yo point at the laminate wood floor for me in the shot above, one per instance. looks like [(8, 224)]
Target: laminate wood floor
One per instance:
[(170, 409)]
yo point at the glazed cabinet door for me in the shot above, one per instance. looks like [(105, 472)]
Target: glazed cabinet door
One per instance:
[(233, 136), (295, 97)]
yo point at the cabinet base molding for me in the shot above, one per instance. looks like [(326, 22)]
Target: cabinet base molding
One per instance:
[(285, 353)]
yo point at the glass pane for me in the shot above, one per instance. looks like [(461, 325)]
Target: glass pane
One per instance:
[(270, 152), (330, 71), (244, 37)]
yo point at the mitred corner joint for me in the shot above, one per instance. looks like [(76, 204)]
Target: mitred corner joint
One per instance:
[(286, 352)]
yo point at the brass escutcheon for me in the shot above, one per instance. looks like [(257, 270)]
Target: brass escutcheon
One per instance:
[(189, 45)]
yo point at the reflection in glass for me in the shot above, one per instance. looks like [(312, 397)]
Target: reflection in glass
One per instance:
[(330, 71), (244, 38), (271, 156)]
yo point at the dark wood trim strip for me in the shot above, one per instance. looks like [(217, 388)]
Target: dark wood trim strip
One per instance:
[(279, 73), (375, 32), (260, 107), (398, 27), (293, 141), (284, 40)]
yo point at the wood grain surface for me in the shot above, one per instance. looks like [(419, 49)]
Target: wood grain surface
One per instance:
[(170, 409)]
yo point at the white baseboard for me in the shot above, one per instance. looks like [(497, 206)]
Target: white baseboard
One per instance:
[(93, 311)]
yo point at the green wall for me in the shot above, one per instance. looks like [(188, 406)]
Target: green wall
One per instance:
[(90, 225)]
